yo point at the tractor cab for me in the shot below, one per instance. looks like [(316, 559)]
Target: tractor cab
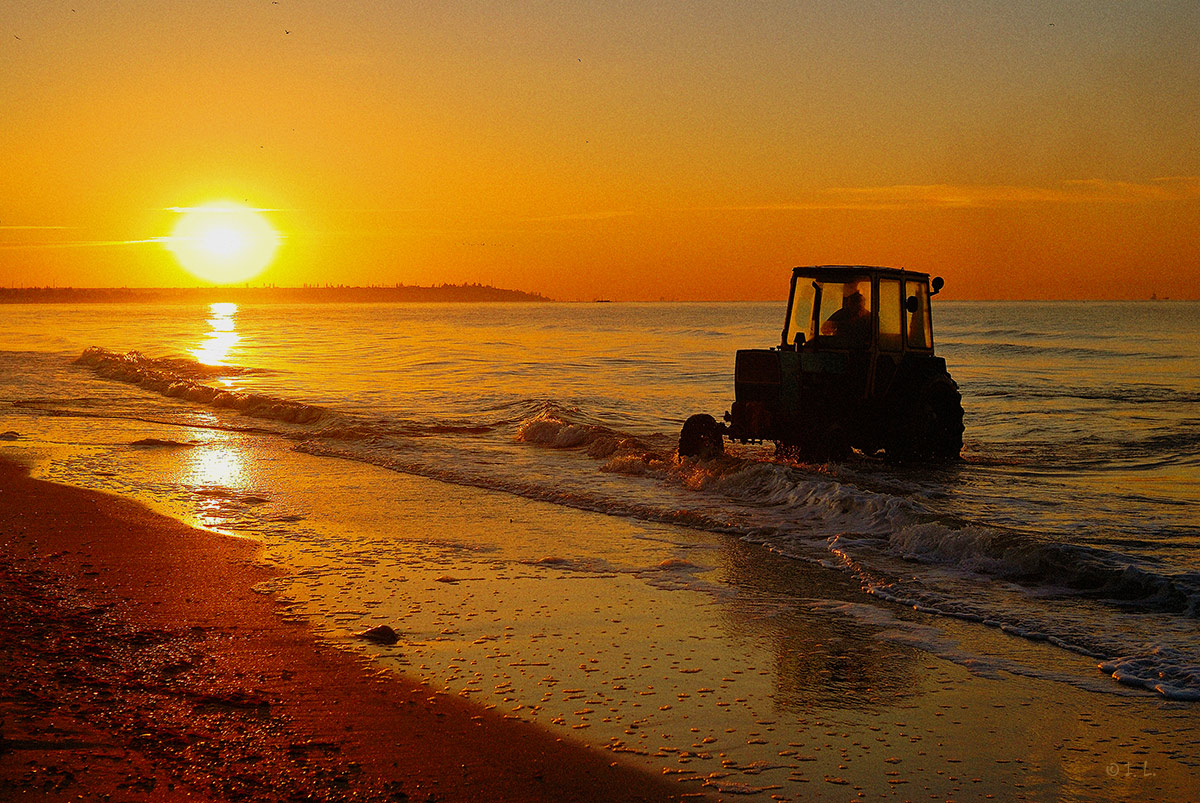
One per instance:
[(846, 308)]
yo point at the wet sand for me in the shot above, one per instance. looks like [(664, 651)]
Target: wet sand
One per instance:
[(139, 664)]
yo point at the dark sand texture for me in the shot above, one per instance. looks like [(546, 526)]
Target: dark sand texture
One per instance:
[(139, 664)]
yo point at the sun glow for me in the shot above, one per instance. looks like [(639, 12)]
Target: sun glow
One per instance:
[(223, 242)]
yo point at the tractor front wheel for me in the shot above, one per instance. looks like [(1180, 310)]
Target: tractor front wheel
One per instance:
[(702, 437)]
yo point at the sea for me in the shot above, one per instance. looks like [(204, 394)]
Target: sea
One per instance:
[(499, 480)]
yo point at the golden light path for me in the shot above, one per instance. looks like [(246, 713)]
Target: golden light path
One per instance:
[(223, 242), (222, 336)]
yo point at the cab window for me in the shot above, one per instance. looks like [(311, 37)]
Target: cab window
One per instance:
[(891, 322), (845, 313), (800, 325), (920, 334), (839, 312)]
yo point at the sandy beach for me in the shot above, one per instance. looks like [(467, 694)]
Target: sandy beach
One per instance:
[(139, 665)]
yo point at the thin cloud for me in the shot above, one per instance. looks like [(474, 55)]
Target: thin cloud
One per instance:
[(952, 196), (1167, 188), (601, 215), (398, 210), (209, 208), (82, 243)]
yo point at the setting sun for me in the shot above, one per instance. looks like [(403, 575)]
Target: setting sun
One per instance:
[(223, 242)]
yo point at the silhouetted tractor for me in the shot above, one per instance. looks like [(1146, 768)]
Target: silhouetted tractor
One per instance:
[(855, 370)]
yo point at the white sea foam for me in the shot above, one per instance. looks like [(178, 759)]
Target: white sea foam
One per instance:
[(180, 378), (1167, 671)]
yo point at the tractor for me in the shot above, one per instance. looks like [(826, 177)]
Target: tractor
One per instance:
[(855, 370)]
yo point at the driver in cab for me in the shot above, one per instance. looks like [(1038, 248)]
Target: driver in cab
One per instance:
[(851, 325)]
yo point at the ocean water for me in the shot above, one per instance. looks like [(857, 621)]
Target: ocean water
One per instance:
[(1067, 535)]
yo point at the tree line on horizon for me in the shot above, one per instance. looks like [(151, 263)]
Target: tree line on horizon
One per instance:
[(306, 293)]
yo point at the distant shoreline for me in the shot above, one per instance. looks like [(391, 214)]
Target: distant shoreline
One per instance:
[(268, 295)]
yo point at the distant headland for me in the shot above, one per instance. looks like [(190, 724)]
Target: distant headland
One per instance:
[(310, 294)]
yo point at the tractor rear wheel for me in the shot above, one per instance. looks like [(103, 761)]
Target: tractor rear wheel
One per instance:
[(930, 426), (701, 437)]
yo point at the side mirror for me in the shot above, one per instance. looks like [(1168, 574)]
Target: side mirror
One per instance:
[(937, 283), (911, 304)]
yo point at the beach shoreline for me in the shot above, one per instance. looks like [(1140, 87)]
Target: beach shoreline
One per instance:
[(149, 660), (140, 664)]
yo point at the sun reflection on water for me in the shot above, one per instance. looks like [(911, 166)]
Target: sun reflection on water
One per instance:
[(222, 337), (215, 467), (218, 475)]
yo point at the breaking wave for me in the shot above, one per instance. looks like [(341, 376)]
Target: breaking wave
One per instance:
[(824, 514), (807, 512), (182, 378)]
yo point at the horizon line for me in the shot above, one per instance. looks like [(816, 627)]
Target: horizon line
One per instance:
[(235, 288)]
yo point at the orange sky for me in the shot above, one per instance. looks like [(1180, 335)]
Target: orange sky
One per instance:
[(632, 150)]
